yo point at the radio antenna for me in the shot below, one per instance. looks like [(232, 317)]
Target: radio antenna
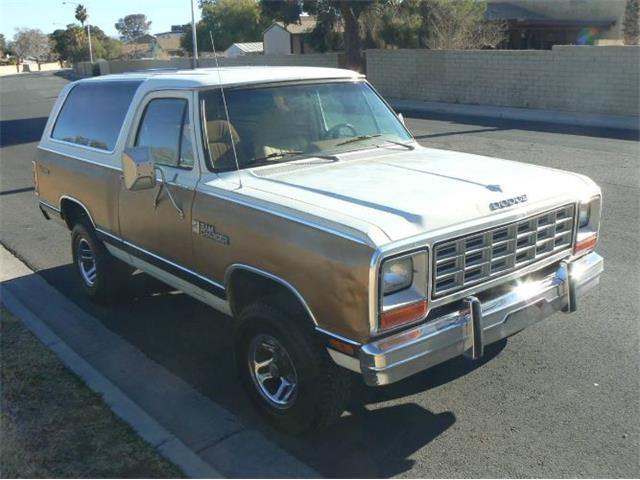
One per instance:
[(226, 110)]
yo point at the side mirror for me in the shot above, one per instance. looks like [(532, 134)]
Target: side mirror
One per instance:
[(401, 118), (138, 168)]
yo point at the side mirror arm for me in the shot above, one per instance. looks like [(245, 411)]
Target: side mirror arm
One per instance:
[(165, 185)]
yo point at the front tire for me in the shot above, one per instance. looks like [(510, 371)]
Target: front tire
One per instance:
[(287, 374), (102, 276)]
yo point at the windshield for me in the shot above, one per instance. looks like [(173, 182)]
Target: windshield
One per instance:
[(284, 123)]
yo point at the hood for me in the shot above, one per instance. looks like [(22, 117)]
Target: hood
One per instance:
[(412, 192)]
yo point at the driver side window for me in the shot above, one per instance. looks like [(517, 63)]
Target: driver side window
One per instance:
[(165, 129)]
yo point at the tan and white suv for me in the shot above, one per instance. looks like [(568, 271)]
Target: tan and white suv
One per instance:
[(296, 201)]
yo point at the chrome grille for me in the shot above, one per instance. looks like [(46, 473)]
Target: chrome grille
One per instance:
[(475, 258)]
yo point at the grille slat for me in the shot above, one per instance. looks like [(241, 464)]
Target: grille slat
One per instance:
[(478, 257)]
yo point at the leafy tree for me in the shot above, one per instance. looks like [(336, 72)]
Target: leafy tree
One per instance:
[(133, 26), (436, 24), (330, 13), (31, 42), (81, 14), (287, 11), (631, 22), (397, 24), (3, 45), (71, 44), (460, 24), (229, 21)]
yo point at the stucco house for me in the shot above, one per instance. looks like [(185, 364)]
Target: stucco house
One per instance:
[(280, 38), (247, 48), (169, 42)]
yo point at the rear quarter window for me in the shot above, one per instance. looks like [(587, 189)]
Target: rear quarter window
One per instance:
[(93, 113)]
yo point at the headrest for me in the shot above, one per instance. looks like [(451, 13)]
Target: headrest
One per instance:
[(218, 131)]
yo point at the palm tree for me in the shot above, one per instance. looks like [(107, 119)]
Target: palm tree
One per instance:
[(81, 14)]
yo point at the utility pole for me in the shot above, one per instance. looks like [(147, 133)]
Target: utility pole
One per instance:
[(90, 49), (194, 37)]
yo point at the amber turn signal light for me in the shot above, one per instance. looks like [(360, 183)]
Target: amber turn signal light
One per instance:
[(405, 314), (587, 244), (343, 347)]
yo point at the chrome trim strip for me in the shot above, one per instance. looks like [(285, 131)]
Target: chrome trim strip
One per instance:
[(241, 266), (76, 157), (176, 282), (49, 206), (162, 259), (73, 199), (245, 203), (284, 215), (79, 145), (337, 337), (358, 77)]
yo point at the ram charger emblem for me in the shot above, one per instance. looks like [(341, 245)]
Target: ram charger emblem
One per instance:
[(207, 230), (508, 202)]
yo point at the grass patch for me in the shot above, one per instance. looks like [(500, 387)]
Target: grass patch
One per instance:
[(52, 425)]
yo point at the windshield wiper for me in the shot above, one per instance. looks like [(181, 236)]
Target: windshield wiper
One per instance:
[(402, 144), (367, 137), (270, 157), (358, 139)]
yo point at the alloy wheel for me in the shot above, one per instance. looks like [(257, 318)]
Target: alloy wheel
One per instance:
[(86, 260), (272, 371)]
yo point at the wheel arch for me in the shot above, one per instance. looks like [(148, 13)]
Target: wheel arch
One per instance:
[(246, 284), (71, 209)]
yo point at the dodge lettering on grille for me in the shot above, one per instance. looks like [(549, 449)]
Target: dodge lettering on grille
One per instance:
[(507, 202)]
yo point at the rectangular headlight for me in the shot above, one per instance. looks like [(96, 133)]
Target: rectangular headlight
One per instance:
[(589, 212), (396, 275), (403, 289)]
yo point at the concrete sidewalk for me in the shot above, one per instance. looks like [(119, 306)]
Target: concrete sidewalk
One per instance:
[(614, 122), (196, 434)]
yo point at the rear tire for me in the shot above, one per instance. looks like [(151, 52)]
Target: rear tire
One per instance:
[(102, 276), (313, 390)]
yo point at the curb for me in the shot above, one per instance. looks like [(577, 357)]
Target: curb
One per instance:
[(196, 434), (150, 430), (613, 122)]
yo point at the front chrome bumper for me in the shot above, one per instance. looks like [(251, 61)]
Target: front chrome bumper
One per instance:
[(478, 323)]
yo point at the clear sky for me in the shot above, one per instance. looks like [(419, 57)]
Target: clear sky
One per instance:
[(47, 14)]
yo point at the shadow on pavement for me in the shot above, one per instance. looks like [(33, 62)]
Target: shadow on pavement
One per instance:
[(371, 443), (495, 124), (25, 130), (193, 341)]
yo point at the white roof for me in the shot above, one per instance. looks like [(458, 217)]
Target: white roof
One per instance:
[(248, 47), (203, 77)]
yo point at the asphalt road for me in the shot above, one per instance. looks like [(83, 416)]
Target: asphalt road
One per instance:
[(561, 399)]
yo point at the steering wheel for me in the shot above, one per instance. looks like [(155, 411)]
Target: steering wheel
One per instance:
[(334, 132)]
